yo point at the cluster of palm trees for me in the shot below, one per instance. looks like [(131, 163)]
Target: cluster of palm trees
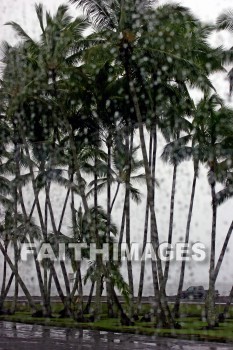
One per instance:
[(72, 106)]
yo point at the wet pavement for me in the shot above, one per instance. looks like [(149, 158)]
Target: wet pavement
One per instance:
[(15, 336)]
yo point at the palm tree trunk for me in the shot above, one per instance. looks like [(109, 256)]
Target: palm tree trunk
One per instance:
[(124, 318), (16, 156), (158, 310), (58, 286), (171, 221), (121, 234), (80, 291), (78, 278), (176, 309), (63, 210), (47, 310), (129, 262), (3, 288), (115, 196), (88, 305), (16, 289), (98, 290), (142, 271), (109, 208), (6, 291), (210, 300), (109, 146), (129, 148), (49, 287), (223, 251)]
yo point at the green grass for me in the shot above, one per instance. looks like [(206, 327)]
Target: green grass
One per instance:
[(192, 322), (192, 327)]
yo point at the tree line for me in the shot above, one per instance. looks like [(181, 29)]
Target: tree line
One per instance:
[(72, 106)]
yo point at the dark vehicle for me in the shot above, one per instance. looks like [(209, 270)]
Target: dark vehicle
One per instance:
[(194, 292)]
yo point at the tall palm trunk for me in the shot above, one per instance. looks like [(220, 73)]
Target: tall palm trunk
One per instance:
[(129, 149), (98, 290), (115, 196), (63, 210), (109, 208), (88, 305), (146, 225), (109, 165), (124, 318), (44, 287), (3, 288), (171, 221), (6, 291), (16, 155), (210, 300), (223, 251), (158, 310), (16, 287), (78, 278), (79, 287), (121, 234), (176, 309), (142, 270)]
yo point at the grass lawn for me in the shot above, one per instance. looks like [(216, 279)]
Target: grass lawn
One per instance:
[(191, 321)]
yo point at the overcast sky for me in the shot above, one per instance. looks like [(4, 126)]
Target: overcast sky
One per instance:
[(22, 11)]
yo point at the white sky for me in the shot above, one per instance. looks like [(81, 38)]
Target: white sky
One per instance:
[(22, 11)]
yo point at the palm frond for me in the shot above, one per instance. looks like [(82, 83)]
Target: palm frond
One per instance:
[(40, 14), (225, 21), (100, 188), (135, 194), (97, 11), (20, 32), (225, 194)]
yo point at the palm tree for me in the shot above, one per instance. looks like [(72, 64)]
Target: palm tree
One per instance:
[(173, 123), (214, 140)]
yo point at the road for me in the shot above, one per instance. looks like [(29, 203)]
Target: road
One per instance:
[(33, 337)]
